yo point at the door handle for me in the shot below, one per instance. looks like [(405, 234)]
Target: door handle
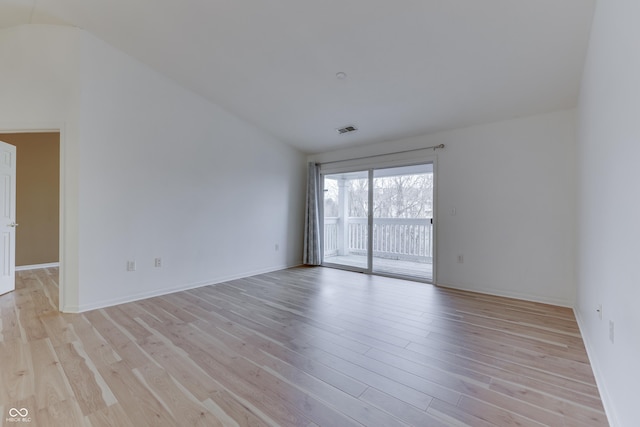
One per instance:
[(13, 224)]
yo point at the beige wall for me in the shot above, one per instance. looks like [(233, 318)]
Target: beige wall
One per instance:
[(38, 195)]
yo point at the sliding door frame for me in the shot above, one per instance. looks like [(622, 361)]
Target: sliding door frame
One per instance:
[(369, 165), (369, 223)]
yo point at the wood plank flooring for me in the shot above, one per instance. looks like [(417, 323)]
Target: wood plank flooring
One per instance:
[(299, 347)]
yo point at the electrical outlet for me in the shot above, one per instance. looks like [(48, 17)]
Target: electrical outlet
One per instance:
[(611, 331), (157, 262), (599, 310), (277, 246), (460, 259), (131, 266)]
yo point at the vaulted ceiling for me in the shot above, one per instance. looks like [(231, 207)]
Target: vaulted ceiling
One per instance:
[(412, 66)]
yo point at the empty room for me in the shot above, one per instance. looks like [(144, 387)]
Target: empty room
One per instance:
[(340, 213)]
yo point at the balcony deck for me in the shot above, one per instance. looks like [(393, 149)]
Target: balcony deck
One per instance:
[(419, 270)]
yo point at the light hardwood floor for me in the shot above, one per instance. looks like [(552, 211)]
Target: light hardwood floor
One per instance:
[(300, 347)]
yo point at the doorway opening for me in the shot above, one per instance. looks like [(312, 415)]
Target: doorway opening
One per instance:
[(38, 198), (380, 221)]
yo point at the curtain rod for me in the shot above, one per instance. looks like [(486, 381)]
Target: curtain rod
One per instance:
[(433, 147)]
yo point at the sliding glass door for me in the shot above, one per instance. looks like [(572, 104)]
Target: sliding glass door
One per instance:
[(380, 220), (346, 230), (402, 221)]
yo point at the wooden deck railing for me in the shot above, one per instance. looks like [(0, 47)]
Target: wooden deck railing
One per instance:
[(406, 239), (330, 237)]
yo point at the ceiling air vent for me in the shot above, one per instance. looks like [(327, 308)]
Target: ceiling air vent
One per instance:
[(346, 129)]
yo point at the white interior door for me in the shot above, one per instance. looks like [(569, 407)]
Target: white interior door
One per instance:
[(7, 217)]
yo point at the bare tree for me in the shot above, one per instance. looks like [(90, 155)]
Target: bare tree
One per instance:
[(401, 196)]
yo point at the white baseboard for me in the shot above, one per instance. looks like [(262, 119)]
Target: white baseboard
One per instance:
[(155, 293), (597, 373), (37, 266), (515, 295)]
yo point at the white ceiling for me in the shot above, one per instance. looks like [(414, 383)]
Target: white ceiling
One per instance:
[(413, 66)]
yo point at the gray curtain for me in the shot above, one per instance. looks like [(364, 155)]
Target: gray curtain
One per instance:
[(312, 250)]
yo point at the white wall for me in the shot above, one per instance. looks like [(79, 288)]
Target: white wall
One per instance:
[(164, 173), (512, 185), (150, 170), (609, 206), (39, 70)]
